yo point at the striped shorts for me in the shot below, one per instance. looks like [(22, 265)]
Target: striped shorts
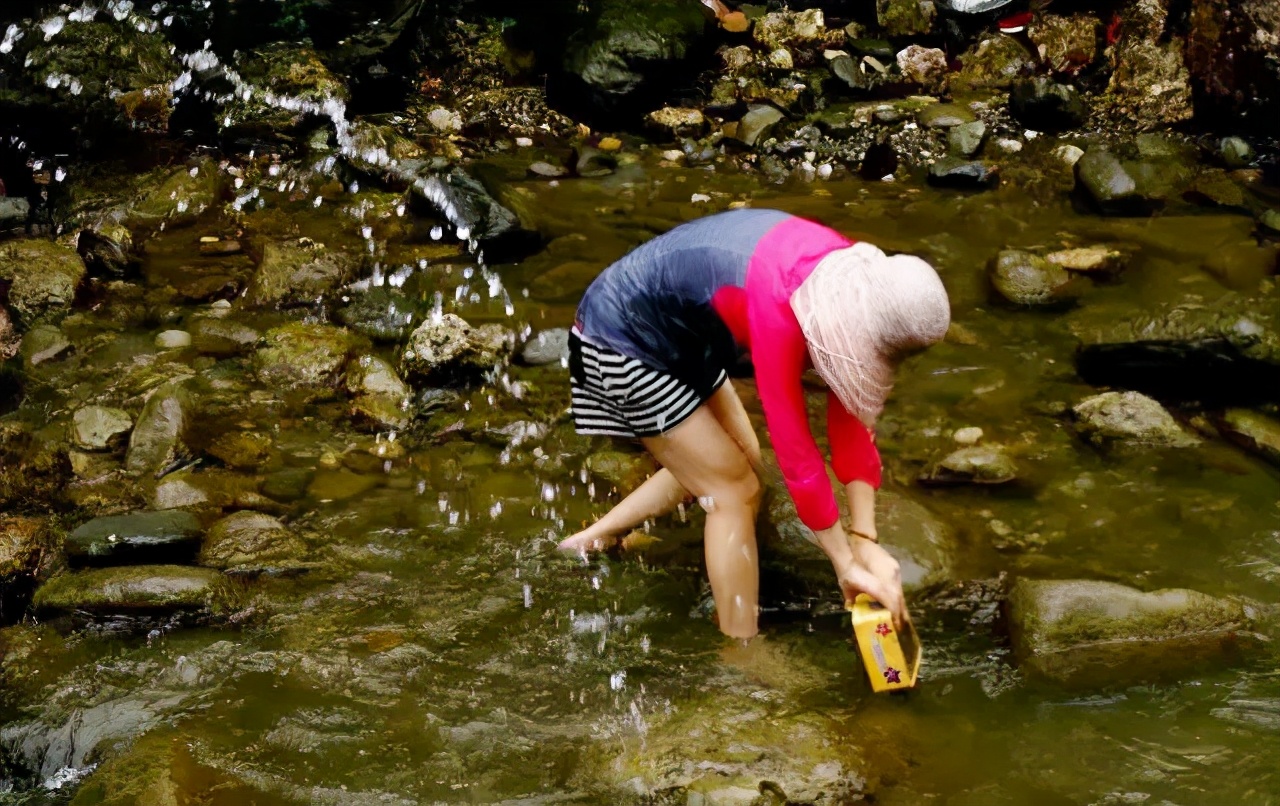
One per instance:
[(617, 396)]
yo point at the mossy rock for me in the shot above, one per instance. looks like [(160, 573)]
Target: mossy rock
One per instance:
[(176, 197), (43, 278), (252, 542), (294, 274), (1092, 633), (27, 545), (130, 588), (158, 440), (138, 537), (303, 354), (1129, 418), (1254, 431)]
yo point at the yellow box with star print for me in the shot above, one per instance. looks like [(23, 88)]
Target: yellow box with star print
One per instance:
[(892, 660)]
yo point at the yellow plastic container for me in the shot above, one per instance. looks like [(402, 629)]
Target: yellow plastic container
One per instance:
[(892, 660)]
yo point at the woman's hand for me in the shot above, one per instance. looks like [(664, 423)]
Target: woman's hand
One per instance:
[(871, 570)]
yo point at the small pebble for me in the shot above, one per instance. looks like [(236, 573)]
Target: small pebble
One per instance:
[(173, 340), (967, 436)]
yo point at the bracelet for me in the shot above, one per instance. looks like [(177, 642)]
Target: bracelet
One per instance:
[(864, 536)]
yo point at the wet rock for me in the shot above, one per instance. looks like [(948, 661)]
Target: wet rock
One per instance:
[(906, 17), (381, 412), (381, 399), (1129, 418), (451, 348), (547, 347), (339, 485), (1099, 259), (43, 277), (382, 314), (994, 63), (27, 545), (139, 537), (243, 450), (1024, 278), (173, 340), (445, 121), (477, 214), (675, 123), (980, 464), (1269, 221), (624, 471), (1226, 352), (1041, 104), (287, 485), (592, 163), (628, 56), (281, 71), (207, 489), (967, 139), (786, 29), (96, 428), (158, 440), (922, 543), (781, 59), (223, 338), (125, 589), (303, 354), (178, 196), (296, 273), (954, 172), (14, 212), (43, 343), (852, 73), (925, 67), (1254, 431), (1231, 56), (944, 116), (1091, 633), (1235, 152), (251, 542), (1150, 85), (1109, 184), (1216, 189), (547, 171), (108, 248), (758, 123)]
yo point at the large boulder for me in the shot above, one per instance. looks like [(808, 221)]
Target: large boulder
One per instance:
[(158, 441), (1129, 418), (127, 589), (1225, 352), (1101, 634), (1233, 54), (43, 278), (295, 273), (139, 537), (629, 56), (303, 354)]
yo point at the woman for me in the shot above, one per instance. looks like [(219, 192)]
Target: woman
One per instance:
[(654, 336)]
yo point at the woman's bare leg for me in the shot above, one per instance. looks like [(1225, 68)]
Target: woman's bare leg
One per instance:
[(661, 493), (712, 466)]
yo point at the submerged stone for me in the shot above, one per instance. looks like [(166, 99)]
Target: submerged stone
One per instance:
[(1254, 431), (296, 274), (43, 277), (1130, 418), (96, 428), (1024, 278), (1109, 184), (173, 340), (961, 174), (383, 314), (139, 537), (303, 354), (243, 450), (43, 343), (944, 116), (1090, 259), (1101, 634), (547, 347), (979, 464), (223, 338), (179, 196), (129, 588), (252, 542), (625, 471)]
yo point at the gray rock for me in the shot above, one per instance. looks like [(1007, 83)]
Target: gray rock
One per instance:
[(1046, 106), (944, 116), (922, 543), (547, 347), (251, 542), (1027, 279), (178, 196), (450, 347), (139, 537), (1254, 431), (758, 123), (1090, 633), (1108, 183), (43, 277), (129, 588), (296, 274), (158, 438), (43, 343), (961, 174), (850, 71), (223, 338), (303, 354), (1129, 418), (978, 464), (547, 171), (967, 139), (96, 428), (14, 212), (474, 211), (628, 53), (382, 314), (371, 375)]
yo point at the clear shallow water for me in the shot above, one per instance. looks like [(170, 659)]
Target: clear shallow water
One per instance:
[(441, 651)]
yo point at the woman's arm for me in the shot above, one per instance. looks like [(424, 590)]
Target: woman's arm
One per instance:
[(856, 463)]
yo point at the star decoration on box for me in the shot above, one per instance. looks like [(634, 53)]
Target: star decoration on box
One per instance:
[(883, 628), (892, 675)]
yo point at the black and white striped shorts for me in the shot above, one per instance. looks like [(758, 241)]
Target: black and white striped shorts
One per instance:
[(619, 396)]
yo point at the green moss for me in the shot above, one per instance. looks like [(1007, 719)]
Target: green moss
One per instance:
[(148, 587)]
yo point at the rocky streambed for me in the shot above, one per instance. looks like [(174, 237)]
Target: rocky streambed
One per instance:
[(283, 438)]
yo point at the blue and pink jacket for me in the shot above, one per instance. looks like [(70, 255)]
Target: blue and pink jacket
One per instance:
[(714, 289)]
